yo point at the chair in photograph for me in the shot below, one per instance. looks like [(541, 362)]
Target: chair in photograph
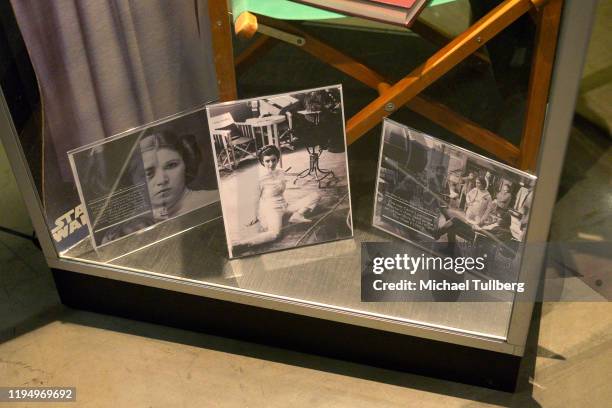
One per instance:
[(235, 140), (245, 140), (265, 131), (287, 137), (225, 158), (273, 19)]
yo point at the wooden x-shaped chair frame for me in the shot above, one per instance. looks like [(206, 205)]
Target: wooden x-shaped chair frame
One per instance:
[(546, 13)]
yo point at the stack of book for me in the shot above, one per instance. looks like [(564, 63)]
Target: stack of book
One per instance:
[(398, 12)]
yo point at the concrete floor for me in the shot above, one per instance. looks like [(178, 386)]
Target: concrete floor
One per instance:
[(124, 363)]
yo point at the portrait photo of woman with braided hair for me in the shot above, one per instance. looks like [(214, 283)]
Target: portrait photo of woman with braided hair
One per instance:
[(134, 181), (282, 170)]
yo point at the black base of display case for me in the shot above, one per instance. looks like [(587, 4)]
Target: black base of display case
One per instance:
[(306, 334)]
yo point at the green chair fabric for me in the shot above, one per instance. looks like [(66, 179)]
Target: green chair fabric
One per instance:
[(288, 10)]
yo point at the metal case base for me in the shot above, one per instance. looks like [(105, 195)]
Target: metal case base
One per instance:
[(301, 333)]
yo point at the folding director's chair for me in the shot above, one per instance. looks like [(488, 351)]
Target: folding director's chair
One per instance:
[(272, 18)]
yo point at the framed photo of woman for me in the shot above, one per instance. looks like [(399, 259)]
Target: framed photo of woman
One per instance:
[(282, 169), (136, 180)]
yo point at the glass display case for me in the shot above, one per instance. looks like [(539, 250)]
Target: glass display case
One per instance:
[(496, 79)]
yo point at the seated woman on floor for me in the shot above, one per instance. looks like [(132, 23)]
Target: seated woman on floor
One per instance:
[(271, 203)]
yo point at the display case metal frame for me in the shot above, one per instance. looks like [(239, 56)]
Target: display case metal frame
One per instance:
[(573, 42)]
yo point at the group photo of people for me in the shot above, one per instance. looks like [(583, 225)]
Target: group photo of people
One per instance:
[(282, 169), (459, 203)]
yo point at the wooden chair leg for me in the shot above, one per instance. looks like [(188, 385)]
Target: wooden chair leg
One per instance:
[(434, 111), (220, 26), (436, 66), (465, 128), (330, 55), (393, 97), (431, 34), (549, 19)]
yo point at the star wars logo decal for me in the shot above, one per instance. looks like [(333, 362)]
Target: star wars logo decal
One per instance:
[(68, 223)]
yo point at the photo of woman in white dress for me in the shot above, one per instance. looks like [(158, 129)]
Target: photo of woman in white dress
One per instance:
[(282, 170), (272, 207)]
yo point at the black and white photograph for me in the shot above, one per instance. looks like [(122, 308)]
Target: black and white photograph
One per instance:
[(452, 201), (140, 178), (282, 170)]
